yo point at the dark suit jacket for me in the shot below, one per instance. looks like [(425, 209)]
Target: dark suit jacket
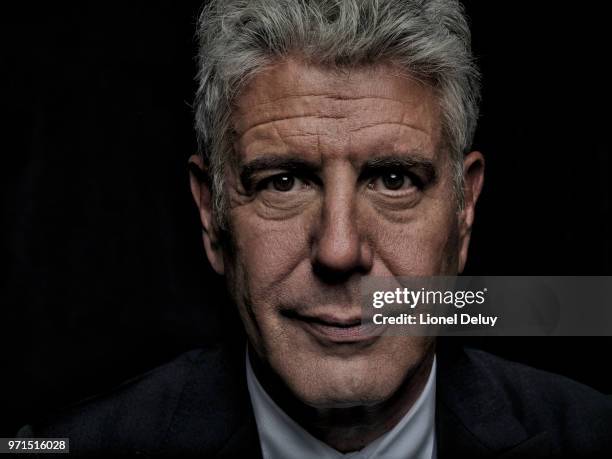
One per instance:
[(486, 407)]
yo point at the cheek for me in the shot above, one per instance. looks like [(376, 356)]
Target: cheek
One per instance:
[(265, 252), (424, 244)]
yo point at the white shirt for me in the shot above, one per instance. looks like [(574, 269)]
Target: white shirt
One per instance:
[(282, 438)]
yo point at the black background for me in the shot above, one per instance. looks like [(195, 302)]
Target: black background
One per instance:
[(104, 272)]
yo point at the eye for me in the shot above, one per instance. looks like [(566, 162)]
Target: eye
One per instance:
[(281, 183), (284, 182), (393, 180)]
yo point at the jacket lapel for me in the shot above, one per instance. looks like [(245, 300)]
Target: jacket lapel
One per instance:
[(474, 413), (214, 417)]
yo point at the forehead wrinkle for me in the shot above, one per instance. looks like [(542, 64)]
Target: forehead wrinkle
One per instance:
[(277, 133), (389, 123), (294, 74), (332, 96), (306, 134), (351, 147), (339, 107), (393, 136), (275, 121), (352, 122)]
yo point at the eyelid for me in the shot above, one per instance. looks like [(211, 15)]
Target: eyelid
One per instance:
[(374, 174), (262, 183)]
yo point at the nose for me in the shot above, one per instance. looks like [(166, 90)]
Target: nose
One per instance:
[(340, 247)]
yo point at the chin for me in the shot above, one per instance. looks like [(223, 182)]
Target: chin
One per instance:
[(333, 383)]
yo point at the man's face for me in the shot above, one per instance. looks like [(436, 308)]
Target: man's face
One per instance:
[(339, 176)]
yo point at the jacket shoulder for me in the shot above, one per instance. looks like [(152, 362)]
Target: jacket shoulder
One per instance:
[(138, 415), (575, 416)]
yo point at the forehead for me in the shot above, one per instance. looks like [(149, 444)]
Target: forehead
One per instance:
[(296, 108)]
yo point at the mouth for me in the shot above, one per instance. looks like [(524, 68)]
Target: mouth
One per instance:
[(334, 328)]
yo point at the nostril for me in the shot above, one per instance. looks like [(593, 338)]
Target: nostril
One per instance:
[(336, 270), (330, 275), (337, 253)]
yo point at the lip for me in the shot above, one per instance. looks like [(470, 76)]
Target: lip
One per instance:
[(335, 328)]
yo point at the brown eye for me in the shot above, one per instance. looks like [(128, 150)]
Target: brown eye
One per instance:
[(283, 182), (393, 180)]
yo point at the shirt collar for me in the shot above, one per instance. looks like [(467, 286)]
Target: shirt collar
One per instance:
[(281, 437)]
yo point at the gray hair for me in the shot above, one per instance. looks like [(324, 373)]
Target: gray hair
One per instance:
[(428, 39)]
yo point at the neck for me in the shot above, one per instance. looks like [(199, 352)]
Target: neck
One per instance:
[(353, 428)]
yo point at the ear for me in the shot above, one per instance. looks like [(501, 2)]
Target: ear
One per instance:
[(202, 195), (473, 178)]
